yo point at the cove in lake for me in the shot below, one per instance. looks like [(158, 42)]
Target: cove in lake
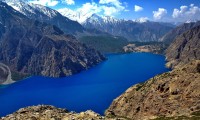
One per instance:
[(93, 89)]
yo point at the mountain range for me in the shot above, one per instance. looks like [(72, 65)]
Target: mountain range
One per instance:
[(93, 25), (45, 14), (31, 47), (144, 31)]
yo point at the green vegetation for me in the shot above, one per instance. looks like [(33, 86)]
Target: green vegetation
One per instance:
[(105, 44)]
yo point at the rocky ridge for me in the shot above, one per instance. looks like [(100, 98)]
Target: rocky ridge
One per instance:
[(169, 37), (46, 112), (175, 93), (184, 48)]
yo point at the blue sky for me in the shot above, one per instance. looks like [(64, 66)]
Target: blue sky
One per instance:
[(155, 10)]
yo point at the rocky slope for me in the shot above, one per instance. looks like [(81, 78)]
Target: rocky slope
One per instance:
[(171, 35), (43, 112), (31, 47), (175, 93), (45, 14), (5, 74), (133, 31), (184, 48)]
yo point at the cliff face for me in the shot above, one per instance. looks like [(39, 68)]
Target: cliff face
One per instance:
[(184, 48), (170, 94), (31, 47), (5, 74)]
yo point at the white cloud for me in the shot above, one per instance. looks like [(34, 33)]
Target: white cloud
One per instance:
[(138, 8), (89, 8), (45, 2), (104, 7), (186, 13), (157, 15), (69, 2), (109, 11), (177, 13), (111, 7), (116, 3)]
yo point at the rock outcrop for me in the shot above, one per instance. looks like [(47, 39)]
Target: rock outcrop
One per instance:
[(35, 48), (184, 48), (171, 94), (5, 74), (46, 112)]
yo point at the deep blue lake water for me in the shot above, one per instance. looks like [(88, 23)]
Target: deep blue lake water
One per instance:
[(93, 89)]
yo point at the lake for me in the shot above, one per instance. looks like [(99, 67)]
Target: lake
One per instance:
[(93, 89)]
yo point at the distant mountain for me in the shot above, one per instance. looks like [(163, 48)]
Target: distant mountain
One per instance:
[(45, 14), (74, 15), (134, 31), (34, 48), (184, 48), (171, 35)]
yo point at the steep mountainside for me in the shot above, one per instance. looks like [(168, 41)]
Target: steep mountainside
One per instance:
[(171, 94), (30, 47), (133, 31), (171, 35), (45, 14), (184, 48)]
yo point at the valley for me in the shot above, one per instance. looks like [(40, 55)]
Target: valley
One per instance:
[(98, 62)]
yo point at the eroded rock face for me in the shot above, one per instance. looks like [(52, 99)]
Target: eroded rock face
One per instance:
[(46, 112), (35, 48), (5, 74), (184, 49), (174, 93)]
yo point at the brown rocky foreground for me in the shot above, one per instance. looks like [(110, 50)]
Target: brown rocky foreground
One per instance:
[(171, 94)]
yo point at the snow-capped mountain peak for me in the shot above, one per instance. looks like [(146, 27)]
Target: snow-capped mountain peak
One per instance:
[(97, 19), (26, 8), (190, 21), (78, 16), (141, 20)]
